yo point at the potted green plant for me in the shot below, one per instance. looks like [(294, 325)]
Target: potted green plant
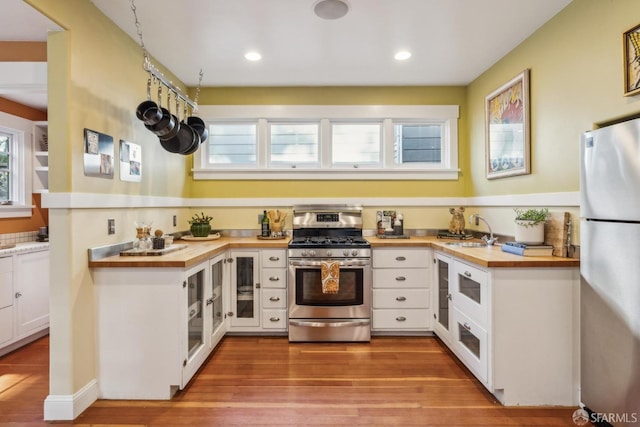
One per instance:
[(200, 225), (530, 225)]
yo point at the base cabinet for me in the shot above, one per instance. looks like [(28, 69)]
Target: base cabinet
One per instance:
[(24, 298), (157, 326), (401, 290), (516, 329)]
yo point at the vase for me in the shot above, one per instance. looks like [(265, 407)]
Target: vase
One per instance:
[(528, 233), (200, 229)]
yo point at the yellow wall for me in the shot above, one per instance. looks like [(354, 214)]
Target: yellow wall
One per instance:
[(576, 82), (339, 96)]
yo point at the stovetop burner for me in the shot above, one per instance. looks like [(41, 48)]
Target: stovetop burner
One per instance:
[(328, 241)]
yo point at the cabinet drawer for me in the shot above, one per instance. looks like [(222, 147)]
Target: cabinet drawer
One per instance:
[(274, 319), (6, 289), (274, 298), (470, 292), (401, 258), (401, 320), (470, 344), (401, 278), (274, 278), (6, 324), (274, 258), (401, 298)]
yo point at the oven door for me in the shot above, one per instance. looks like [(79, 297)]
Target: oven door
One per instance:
[(307, 301)]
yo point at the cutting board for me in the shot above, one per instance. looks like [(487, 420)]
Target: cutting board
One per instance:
[(152, 252), (556, 232)]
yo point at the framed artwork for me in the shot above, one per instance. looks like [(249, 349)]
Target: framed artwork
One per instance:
[(130, 161), (98, 154), (507, 144), (631, 47)]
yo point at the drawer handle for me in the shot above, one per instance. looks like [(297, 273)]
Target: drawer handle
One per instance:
[(401, 258), (274, 258), (449, 297), (274, 299), (275, 319), (274, 279), (401, 299), (466, 326), (401, 278), (401, 318), (467, 273)]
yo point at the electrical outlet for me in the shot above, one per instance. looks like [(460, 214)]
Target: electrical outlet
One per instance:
[(111, 226), (175, 220)]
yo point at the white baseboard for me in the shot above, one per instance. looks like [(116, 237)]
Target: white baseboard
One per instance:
[(68, 407)]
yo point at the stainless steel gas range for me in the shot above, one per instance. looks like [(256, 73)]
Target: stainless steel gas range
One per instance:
[(329, 237)]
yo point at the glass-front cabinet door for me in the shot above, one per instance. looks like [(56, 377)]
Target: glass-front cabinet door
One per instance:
[(245, 287), (215, 301), (195, 347), (442, 304)]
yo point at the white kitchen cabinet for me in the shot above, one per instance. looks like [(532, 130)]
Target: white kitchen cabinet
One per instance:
[(245, 290), (24, 298), (401, 289), (516, 329), (157, 326), (274, 289)]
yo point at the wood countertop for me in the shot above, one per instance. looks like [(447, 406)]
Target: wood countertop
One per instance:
[(489, 256), (196, 252)]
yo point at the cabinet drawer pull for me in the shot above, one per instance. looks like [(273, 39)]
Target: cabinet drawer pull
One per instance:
[(401, 299), (192, 313), (274, 279), (466, 326), (401, 319), (275, 319), (467, 273), (401, 278), (274, 258), (401, 258), (274, 299)]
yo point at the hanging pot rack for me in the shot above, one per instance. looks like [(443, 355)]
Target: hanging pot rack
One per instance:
[(154, 72)]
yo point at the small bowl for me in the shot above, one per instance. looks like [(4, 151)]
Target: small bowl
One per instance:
[(168, 240)]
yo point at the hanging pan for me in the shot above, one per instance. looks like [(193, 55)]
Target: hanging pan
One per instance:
[(184, 140), (166, 127), (148, 111)]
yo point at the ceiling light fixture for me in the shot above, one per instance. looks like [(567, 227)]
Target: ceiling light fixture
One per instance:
[(331, 9), (252, 56), (403, 55)]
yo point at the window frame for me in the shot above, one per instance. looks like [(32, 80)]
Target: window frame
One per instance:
[(446, 115), (21, 183)]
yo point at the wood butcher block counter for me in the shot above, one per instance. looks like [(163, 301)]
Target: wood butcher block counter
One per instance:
[(489, 256), (194, 253)]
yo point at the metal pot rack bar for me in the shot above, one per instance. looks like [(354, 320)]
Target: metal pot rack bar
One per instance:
[(153, 70)]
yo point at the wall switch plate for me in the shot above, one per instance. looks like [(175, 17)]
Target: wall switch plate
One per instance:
[(111, 226), (175, 220)]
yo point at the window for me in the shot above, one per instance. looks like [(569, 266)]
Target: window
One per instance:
[(232, 144), (6, 169), (329, 142)]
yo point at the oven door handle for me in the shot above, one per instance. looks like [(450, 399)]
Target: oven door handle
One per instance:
[(330, 324), (306, 263)]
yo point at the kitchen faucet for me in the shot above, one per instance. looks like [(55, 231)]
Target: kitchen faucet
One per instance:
[(488, 240)]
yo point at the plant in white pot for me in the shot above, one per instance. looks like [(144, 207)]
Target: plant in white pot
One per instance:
[(530, 225)]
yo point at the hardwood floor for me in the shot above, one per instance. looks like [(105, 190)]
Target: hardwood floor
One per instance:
[(253, 381)]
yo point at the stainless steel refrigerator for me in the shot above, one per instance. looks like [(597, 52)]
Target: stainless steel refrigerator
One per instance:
[(610, 273)]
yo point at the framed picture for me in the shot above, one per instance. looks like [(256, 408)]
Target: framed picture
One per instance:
[(631, 46), (507, 128)]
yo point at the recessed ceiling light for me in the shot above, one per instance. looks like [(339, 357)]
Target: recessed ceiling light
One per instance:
[(331, 9), (403, 55), (252, 56)]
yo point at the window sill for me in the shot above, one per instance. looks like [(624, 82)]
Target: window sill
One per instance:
[(16, 211), (333, 174)]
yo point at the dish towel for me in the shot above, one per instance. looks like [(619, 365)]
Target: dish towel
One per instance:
[(330, 275)]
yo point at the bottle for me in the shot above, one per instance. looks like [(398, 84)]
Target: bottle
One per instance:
[(398, 226), (265, 225)]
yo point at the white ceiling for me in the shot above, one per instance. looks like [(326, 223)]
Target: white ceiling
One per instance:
[(452, 41)]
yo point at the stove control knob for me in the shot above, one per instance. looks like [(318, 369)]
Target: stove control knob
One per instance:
[(312, 253), (354, 252), (328, 253), (304, 252), (345, 252)]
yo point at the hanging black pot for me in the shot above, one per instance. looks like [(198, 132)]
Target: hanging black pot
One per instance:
[(199, 125), (148, 111)]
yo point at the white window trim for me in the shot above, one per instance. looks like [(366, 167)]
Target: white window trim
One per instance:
[(385, 113)]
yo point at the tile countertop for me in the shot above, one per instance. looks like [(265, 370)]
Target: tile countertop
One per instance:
[(24, 248), (489, 256), (196, 252)]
